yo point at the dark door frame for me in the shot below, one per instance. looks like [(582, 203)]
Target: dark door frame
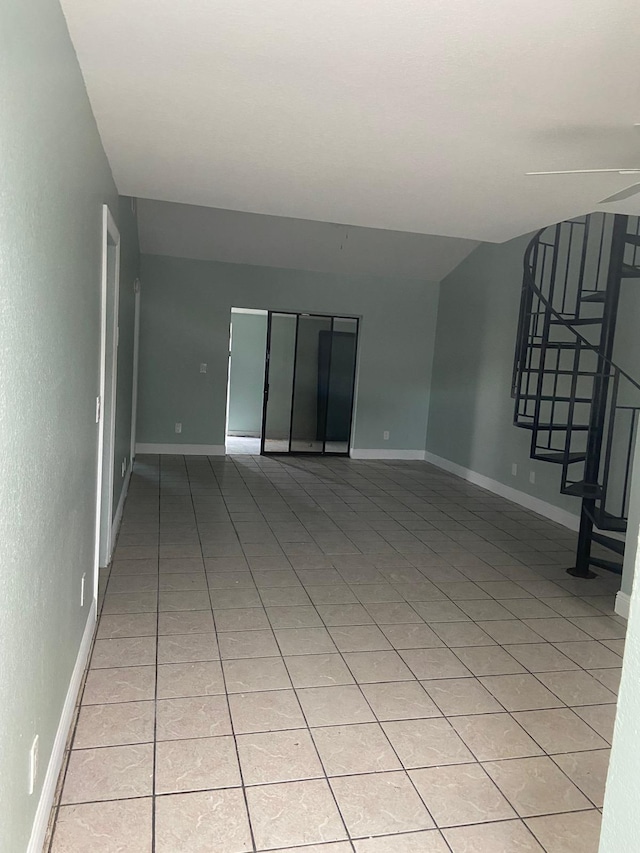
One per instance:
[(265, 400)]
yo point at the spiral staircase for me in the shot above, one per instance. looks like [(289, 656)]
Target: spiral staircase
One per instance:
[(580, 406)]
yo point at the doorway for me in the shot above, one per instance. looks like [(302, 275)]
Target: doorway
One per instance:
[(310, 370), (106, 401), (245, 384)]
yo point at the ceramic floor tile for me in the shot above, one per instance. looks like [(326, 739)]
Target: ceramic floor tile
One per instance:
[(187, 648), (460, 794), (196, 764), (247, 644), (119, 684), (354, 749), (202, 822), (183, 582), (577, 688), (590, 655), (255, 674), (318, 670), (540, 657), (127, 625), (505, 631), (241, 619), (488, 660), (334, 706), (609, 677), (459, 634), (364, 601), (510, 836), (200, 716), (203, 678), (380, 803), (186, 622), (368, 667), (294, 813), (283, 756), (459, 696), (427, 742), (587, 770), (399, 700), (559, 730), (535, 786), (119, 826), (109, 773), (520, 692), (412, 636), (265, 712), (294, 617), (334, 615), (393, 613), (495, 736), (427, 841), (599, 717), (568, 833), (114, 724), (359, 638), (304, 641), (434, 663)]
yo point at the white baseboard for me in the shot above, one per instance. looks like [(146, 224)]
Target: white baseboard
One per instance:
[(47, 795), (183, 449), (357, 453), (622, 605), (554, 513), (117, 519)]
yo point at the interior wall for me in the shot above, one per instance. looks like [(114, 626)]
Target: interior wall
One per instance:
[(620, 825), (53, 182), (184, 321), (246, 376), (471, 414)]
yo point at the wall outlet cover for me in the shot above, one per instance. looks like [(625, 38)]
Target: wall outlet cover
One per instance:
[(178, 428), (385, 435)]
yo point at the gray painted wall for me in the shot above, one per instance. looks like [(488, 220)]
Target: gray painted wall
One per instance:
[(246, 379), (53, 182), (186, 307), (471, 411)]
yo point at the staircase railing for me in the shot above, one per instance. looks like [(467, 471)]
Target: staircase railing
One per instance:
[(568, 390)]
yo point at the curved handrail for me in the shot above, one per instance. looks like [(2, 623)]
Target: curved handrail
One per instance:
[(531, 284)]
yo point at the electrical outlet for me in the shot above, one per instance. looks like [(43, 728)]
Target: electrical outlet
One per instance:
[(514, 470), (178, 428), (203, 368), (123, 467), (33, 763), (385, 435), (82, 586), (532, 476)]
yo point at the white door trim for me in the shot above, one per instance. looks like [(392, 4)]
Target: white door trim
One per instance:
[(134, 395), (106, 431)]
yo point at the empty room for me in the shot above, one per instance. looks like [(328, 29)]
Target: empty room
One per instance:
[(319, 405)]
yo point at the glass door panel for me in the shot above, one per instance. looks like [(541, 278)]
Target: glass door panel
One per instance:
[(278, 392), (340, 376), (309, 383), (307, 428)]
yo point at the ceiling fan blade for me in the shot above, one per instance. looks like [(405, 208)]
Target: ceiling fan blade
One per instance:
[(588, 172), (622, 194)]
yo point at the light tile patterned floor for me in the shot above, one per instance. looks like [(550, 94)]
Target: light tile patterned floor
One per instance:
[(327, 656)]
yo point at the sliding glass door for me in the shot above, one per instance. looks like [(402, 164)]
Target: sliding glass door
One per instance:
[(309, 383)]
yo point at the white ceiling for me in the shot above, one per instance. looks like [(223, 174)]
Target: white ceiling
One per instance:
[(411, 115), (205, 233)]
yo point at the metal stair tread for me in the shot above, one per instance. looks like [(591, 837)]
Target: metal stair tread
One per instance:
[(582, 490), (560, 457), (616, 545)]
